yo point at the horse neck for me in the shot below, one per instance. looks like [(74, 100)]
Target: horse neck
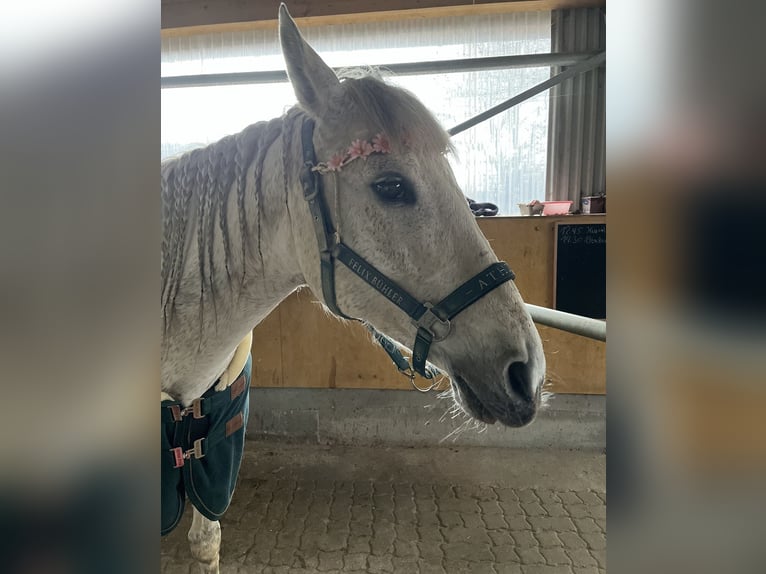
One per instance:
[(270, 267), (260, 268), (219, 302)]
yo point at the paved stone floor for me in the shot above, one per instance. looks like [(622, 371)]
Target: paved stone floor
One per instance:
[(300, 509)]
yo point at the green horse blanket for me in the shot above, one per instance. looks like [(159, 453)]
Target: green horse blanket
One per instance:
[(202, 448)]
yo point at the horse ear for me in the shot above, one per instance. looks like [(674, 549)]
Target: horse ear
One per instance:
[(312, 79)]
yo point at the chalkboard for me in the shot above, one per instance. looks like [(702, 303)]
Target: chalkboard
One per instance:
[(580, 269)]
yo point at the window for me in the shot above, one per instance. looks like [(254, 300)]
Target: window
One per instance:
[(502, 160)]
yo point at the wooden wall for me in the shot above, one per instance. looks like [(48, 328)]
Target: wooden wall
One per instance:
[(223, 14), (299, 346)]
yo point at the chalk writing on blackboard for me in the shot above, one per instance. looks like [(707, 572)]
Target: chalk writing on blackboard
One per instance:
[(587, 234)]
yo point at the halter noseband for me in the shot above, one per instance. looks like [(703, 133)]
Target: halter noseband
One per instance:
[(432, 321)]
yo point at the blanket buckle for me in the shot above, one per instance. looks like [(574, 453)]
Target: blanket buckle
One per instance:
[(194, 409), (179, 455)]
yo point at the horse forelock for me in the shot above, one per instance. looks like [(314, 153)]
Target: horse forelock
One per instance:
[(391, 110)]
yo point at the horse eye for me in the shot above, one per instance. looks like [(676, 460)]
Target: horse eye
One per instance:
[(393, 189)]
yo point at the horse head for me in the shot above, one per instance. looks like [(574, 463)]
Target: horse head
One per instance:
[(392, 197)]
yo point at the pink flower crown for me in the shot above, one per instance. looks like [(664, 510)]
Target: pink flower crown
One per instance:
[(357, 149)]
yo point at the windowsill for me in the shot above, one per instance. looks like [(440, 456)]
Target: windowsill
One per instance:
[(567, 216)]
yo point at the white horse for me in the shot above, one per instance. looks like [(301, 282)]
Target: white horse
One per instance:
[(239, 237)]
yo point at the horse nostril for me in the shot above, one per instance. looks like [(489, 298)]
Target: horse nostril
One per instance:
[(520, 381)]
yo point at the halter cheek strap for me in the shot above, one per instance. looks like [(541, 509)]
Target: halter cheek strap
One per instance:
[(432, 321), (327, 237)]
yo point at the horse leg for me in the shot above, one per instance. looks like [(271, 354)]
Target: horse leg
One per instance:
[(205, 543)]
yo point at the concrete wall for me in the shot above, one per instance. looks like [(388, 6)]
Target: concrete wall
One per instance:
[(406, 418)]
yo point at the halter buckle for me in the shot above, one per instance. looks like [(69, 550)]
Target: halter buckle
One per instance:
[(438, 328), (310, 188)]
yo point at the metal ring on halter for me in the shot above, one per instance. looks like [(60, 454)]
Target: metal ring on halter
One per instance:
[(410, 374)]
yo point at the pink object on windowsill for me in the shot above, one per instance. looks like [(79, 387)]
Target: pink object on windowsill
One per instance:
[(556, 207)]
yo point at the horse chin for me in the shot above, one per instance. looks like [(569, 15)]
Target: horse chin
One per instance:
[(511, 413), (470, 403)]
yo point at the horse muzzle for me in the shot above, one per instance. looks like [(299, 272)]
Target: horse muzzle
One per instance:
[(514, 402)]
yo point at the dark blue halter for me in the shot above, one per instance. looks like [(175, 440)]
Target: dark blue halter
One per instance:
[(432, 321)]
